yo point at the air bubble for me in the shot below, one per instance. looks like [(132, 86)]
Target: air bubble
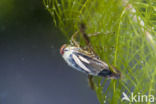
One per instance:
[(47, 6), (133, 10), (58, 4), (54, 8), (142, 23), (52, 13), (74, 2), (142, 62)]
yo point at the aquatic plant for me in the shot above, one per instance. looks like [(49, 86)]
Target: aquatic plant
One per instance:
[(126, 40)]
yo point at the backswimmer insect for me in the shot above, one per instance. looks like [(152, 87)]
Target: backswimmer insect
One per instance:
[(85, 60)]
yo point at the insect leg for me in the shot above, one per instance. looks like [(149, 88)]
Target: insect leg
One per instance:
[(73, 39), (90, 82), (95, 34), (82, 30), (86, 38)]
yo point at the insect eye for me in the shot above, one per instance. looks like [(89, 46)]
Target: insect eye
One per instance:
[(62, 49)]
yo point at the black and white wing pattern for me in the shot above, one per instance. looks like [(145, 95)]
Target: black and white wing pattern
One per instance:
[(92, 65)]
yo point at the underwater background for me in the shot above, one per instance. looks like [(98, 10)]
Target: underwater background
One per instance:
[(31, 69)]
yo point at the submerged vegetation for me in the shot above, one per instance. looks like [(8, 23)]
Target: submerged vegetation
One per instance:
[(127, 40)]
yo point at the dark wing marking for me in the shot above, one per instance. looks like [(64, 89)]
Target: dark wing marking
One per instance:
[(105, 73)]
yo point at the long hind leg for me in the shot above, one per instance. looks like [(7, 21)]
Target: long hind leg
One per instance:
[(86, 38), (90, 82)]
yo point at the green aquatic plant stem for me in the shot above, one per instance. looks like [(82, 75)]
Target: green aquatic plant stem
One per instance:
[(126, 40)]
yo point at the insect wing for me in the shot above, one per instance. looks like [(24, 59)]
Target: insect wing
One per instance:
[(92, 65)]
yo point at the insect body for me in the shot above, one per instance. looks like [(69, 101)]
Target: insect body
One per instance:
[(86, 62)]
